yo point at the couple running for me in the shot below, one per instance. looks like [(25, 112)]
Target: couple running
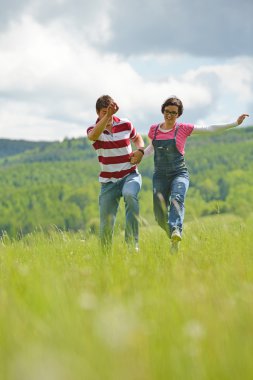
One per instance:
[(119, 177)]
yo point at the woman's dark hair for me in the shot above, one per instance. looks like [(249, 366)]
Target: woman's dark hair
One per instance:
[(173, 101), (103, 102)]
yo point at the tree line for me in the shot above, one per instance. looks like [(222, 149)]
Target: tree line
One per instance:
[(56, 183)]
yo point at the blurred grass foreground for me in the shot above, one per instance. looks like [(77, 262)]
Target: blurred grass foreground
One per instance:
[(68, 312)]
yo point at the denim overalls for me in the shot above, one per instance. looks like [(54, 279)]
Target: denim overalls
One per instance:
[(170, 184)]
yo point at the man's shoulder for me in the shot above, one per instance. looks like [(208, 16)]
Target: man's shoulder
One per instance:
[(122, 125), (90, 128), (121, 120)]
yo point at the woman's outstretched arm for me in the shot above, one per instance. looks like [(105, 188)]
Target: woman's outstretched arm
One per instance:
[(198, 129)]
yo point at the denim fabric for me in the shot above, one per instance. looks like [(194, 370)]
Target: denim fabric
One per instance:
[(168, 199), (109, 198), (168, 160), (170, 184)]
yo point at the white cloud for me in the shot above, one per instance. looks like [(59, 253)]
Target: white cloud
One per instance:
[(50, 80), (207, 28), (23, 121), (232, 87)]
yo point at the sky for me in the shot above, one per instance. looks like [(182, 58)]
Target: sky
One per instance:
[(58, 56)]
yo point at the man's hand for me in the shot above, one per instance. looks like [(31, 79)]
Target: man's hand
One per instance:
[(112, 109), (241, 118), (105, 116), (136, 157)]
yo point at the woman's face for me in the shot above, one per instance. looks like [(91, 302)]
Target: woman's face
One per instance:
[(170, 113)]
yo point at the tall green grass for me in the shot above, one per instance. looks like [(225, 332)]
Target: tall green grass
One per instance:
[(69, 312)]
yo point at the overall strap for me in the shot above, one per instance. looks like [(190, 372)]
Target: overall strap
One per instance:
[(156, 130), (176, 130)]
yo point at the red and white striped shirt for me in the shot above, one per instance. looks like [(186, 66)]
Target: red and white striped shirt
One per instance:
[(114, 150)]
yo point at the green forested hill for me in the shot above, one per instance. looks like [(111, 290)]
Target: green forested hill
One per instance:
[(13, 147), (68, 150), (55, 184)]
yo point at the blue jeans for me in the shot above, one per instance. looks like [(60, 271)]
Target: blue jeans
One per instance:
[(168, 199), (109, 198)]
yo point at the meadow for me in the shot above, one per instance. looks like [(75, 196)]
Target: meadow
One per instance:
[(69, 312), (56, 183)]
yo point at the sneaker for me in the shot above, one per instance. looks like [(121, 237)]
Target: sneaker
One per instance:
[(175, 239), (175, 236), (137, 249), (133, 247)]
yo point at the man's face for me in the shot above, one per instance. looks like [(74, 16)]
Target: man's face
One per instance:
[(101, 113)]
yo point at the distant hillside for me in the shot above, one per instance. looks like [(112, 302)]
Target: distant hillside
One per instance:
[(13, 147), (56, 183), (78, 149)]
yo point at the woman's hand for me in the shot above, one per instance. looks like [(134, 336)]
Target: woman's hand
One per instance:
[(241, 118)]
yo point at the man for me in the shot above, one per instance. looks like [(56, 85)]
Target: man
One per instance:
[(112, 138)]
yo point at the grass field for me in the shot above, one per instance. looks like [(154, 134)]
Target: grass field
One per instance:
[(68, 312)]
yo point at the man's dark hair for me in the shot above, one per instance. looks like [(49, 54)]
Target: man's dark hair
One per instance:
[(103, 102), (173, 101)]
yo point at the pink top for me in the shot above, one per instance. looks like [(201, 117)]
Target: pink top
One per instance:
[(184, 131)]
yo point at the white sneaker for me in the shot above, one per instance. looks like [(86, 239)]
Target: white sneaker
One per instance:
[(176, 236), (137, 249)]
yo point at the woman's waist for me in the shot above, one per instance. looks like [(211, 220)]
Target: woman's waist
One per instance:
[(171, 170), (166, 162)]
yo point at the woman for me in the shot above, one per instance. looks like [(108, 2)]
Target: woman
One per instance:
[(171, 177)]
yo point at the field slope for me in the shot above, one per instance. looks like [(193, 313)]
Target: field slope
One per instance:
[(70, 313)]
